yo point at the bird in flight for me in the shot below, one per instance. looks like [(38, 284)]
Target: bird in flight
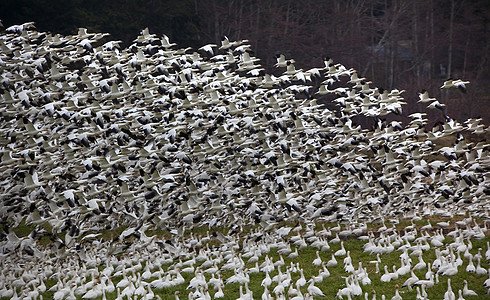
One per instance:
[(458, 83)]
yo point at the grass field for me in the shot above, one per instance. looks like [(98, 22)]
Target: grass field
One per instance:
[(200, 250)]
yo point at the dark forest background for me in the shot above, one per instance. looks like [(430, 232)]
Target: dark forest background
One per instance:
[(410, 45)]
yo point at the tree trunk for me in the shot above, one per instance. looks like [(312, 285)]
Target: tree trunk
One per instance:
[(240, 20), (393, 46), (465, 59), (450, 48), (415, 44), (216, 23), (432, 37)]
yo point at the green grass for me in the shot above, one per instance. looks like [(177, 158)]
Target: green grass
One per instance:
[(329, 286)]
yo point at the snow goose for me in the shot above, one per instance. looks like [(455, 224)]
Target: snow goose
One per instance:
[(429, 271), (427, 282), (295, 293), (449, 294), (466, 291), (318, 260), (341, 251), (314, 290), (279, 289), (470, 268), (301, 281), (397, 294), (424, 97), (394, 274), (226, 44), (404, 268), (449, 269), (458, 83), (411, 280), (479, 270), (386, 277), (332, 262), (421, 264), (281, 61), (336, 239), (437, 105), (324, 273), (427, 227), (293, 255), (356, 289), (267, 281), (460, 295), (443, 224), (290, 69), (487, 282), (487, 253)]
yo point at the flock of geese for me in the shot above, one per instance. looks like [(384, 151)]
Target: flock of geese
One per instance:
[(95, 138)]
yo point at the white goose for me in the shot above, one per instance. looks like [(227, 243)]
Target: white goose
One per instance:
[(397, 294), (341, 251), (386, 277), (318, 260), (460, 295), (302, 280), (332, 262), (487, 253), (458, 83), (313, 290), (466, 291), (479, 270), (470, 268), (449, 294)]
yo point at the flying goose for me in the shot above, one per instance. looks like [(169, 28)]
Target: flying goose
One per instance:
[(458, 83)]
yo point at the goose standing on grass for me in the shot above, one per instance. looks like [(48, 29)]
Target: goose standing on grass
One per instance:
[(267, 281), (332, 262), (419, 295), (318, 260), (341, 251), (266, 295), (487, 282), (386, 277), (487, 253), (449, 294), (460, 295), (466, 291), (470, 268), (313, 290), (298, 294), (421, 264), (324, 272), (411, 280), (479, 269), (302, 280), (397, 294)]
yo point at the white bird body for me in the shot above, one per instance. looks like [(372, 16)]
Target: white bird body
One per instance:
[(449, 294), (318, 260), (467, 291), (397, 295), (458, 83), (314, 291), (424, 97)]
